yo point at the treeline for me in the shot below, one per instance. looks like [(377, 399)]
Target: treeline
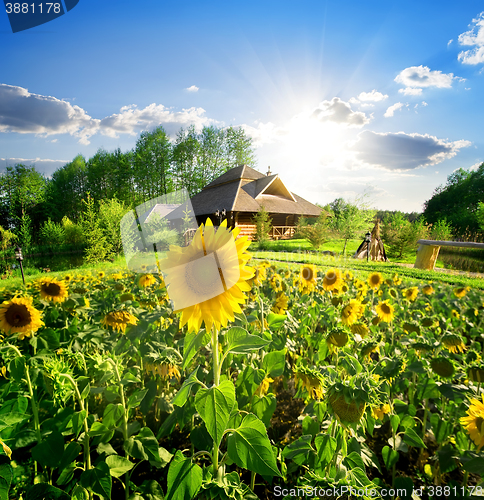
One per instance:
[(49, 211), (459, 203)]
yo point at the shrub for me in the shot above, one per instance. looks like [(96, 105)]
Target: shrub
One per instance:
[(401, 236), (263, 226), (52, 234), (317, 233)]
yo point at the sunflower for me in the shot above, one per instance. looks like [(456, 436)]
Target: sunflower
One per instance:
[(385, 311), (116, 276), (264, 387), (359, 328), (455, 314), (443, 366), (428, 290), (461, 292), (126, 296), (396, 280), (348, 275), (146, 280), (351, 312), (337, 338), (119, 320), (370, 348), (311, 382), (52, 289), (280, 307), (19, 316), (206, 280), (260, 275), (332, 280), (380, 412), (474, 422), (375, 280), (307, 278), (101, 274), (411, 293), (67, 278), (453, 343)]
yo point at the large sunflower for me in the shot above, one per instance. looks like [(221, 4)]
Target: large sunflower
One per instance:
[(474, 422), (19, 316), (351, 312), (307, 278), (332, 280), (385, 311), (206, 280), (375, 280), (52, 289), (119, 320)]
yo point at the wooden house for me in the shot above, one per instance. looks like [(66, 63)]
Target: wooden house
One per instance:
[(241, 192)]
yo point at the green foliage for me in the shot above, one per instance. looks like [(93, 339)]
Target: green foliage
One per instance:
[(351, 219), (25, 232), (401, 236), (98, 248), (263, 226), (52, 233), (110, 214), (316, 233), (458, 202), (441, 231)]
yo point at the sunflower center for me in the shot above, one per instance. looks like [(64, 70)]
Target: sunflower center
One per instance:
[(479, 422), (331, 278), (307, 273), (53, 289), (375, 280), (386, 309), (18, 315)]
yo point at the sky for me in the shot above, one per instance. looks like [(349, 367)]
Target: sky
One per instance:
[(342, 98)]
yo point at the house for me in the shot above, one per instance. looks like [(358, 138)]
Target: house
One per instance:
[(241, 192)]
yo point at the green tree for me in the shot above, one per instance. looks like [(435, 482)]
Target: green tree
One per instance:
[(317, 233), (263, 226), (52, 233), (97, 247), (351, 219), (401, 236), (110, 214)]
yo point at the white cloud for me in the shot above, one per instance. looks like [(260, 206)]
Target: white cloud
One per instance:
[(473, 38), (193, 88), (391, 110), (410, 91), (339, 111), (372, 96), (424, 103), (401, 151), (26, 113), (449, 43), (475, 166), (422, 76)]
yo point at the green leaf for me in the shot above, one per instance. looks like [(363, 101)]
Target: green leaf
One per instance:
[(275, 321), (184, 478), (49, 451), (440, 427), (49, 338), (192, 344), (394, 421), (79, 493), (151, 490), (118, 465), (274, 363), (265, 407), (135, 449), (354, 460), (249, 447), (43, 490), (112, 415), (98, 480), (105, 448), (135, 399), (413, 439), (475, 465), (70, 454), (184, 391), (240, 341), (150, 446), (390, 457), (16, 367), (404, 483), (325, 448), (447, 458), (299, 450), (78, 421), (215, 406), (6, 476), (310, 426)]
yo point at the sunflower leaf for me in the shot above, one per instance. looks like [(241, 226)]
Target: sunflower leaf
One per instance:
[(215, 406), (249, 447), (193, 342), (241, 341)]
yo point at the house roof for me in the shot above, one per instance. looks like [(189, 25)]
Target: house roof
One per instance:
[(243, 189)]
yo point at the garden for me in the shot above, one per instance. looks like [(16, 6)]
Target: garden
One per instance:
[(301, 379)]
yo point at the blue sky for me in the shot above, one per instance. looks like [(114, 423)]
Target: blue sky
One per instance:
[(341, 97)]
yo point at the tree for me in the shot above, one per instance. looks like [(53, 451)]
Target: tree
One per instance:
[(351, 219), (263, 226), (401, 236), (110, 214), (98, 249), (317, 233)]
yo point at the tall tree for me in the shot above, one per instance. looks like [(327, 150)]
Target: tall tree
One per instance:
[(185, 161), (152, 158)]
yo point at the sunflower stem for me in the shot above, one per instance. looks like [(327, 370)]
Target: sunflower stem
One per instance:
[(216, 382)]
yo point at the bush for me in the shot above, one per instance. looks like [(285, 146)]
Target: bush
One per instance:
[(441, 230), (52, 234), (72, 232), (317, 233), (263, 226), (401, 236)]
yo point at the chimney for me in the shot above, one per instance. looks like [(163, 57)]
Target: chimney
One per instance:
[(268, 171)]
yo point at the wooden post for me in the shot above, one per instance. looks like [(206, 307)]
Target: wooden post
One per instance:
[(426, 257)]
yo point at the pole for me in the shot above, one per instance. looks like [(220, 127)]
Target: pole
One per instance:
[(22, 271)]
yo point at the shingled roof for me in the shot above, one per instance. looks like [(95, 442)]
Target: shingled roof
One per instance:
[(243, 189)]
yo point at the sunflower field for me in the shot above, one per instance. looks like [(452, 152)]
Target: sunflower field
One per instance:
[(296, 381)]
